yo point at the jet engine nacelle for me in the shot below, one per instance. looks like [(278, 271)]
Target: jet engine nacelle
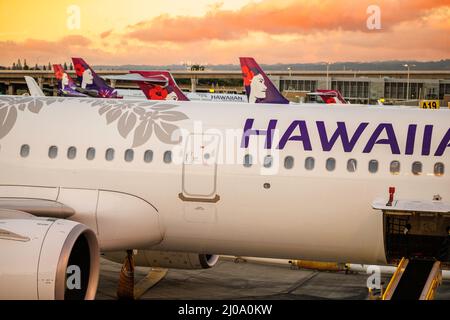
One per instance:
[(165, 259), (47, 259)]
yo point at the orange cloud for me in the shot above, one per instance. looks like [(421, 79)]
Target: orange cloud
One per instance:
[(105, 34), (279, 17), (44, 51), (418, 31)]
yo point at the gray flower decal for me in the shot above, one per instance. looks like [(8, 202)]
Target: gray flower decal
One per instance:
[(142, 119), (10, 107)]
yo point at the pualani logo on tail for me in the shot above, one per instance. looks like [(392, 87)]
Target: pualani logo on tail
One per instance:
[(90, 81), (258, 86), (66, 85), (153, 90), (157, 92)]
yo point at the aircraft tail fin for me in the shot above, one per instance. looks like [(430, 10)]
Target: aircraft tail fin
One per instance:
[(33, 87), (89, 80), (332, 96), (66, 86), (258, 86), (160, 90), (64, 79)]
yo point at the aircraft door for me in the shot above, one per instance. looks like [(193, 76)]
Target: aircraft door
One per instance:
[(199, 178)]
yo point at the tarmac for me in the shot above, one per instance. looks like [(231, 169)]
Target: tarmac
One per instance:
[(248, 280)]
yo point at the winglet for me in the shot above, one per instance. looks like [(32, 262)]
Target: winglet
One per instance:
[(33, 87), (258, 86)]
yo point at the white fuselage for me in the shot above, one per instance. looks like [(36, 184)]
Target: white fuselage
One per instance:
[(216, 97), (227, 208)]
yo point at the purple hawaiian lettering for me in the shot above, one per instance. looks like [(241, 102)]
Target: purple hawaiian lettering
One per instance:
[(445, 143), (341, 131), (248, 131), (391, 138), (410, 139), (426, 143), (303, 137)]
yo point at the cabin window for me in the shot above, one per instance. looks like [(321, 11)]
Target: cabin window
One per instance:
[(53, 152), (247, 161), (167, 157), (109, 155), (395, 167), (289, 162), (129, 155), (148, 156), (90, 154), (352, 164), (71, 153), (373, 166), (25, 151), (439, 169), (309, 163), (417, 168), (331, 164), (268, 161)]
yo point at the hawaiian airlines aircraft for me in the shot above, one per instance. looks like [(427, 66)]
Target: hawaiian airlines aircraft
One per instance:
[(260, 89), (91, 82), (160, 85), (329, 96), (66, 85), (180, 182), (257, 85), (216, 97), (156, 85)]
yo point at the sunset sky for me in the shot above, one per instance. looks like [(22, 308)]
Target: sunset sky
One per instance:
[(159, 32)]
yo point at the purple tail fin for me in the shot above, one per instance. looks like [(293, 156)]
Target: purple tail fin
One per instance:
[(258, 86), (66, 85), (90, 81), (155, 90)]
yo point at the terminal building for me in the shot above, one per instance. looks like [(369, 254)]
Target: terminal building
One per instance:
[(366, 87)]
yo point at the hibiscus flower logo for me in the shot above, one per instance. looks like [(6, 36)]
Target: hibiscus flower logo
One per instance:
[(79, 69), (157, 93), (104, 93), (59, 74), (248, 75)]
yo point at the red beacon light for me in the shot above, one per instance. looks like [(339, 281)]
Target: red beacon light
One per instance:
[(391, 196)]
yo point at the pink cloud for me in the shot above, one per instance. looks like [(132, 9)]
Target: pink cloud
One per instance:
[(279, 17)]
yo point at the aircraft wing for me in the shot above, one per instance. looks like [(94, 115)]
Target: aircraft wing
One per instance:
[(37, 207), (138, 78)]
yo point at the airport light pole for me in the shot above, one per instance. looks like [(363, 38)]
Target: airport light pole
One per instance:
[(328, 74), (290, 77), (407, 84)]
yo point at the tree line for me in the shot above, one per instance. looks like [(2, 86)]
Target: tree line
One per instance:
[(24, 66)]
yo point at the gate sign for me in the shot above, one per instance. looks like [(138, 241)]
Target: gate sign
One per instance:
[(429, 104)]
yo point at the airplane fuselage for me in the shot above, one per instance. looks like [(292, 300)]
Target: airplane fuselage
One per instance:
[(209, 195)]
